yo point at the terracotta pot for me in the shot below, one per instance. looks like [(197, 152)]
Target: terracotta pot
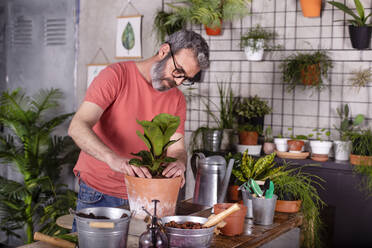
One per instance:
[(288, 206), (213, 31), (295, 145), (360, 160), (233, 194), (234, 222), (248, 138), (269, 147), (319, 157), (141, 192), (311, 8), (310, 75)]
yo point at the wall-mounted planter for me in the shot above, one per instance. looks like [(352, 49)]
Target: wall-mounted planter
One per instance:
[(310, 75), (311, 8), (256, 51), (360, 37), (360, 160), (213, 31)]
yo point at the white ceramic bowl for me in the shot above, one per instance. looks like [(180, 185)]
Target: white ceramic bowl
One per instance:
[(320, 147), (254, 150), (281, 144)]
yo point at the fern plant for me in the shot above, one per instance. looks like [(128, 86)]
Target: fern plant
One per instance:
[(210, 12), (28, 144), (167, 23)]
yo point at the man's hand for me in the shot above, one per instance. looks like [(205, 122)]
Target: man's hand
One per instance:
[(122, 165), (175, 169)]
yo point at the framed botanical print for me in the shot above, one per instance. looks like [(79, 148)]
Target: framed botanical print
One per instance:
[(93, 71), (128, 37)]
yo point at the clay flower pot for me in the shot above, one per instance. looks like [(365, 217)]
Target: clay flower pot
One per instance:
[(295, 145), (311, 8), (213, 31), (269, 147), (288, 206), (233, 193), (234, 222), (248, 138), (141, 192), (310, 75), (360, 160)]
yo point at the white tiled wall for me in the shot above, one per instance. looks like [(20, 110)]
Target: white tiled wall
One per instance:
[(302, 110)]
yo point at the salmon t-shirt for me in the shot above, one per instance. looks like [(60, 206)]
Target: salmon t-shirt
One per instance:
[(124, 95)]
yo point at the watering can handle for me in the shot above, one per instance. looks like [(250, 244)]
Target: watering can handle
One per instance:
[(222, 194), (194, 164)]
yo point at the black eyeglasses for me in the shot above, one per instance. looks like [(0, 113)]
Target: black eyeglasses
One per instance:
[(180, 73)]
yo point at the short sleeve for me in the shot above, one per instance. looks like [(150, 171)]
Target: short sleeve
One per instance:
[(181, 112), (105, 87)]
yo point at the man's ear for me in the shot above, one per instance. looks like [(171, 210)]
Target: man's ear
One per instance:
[(163, 50)]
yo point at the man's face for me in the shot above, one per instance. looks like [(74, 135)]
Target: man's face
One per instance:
[(161, 73)]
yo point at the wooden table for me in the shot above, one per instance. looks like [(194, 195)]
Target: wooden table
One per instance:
[(253, 236)]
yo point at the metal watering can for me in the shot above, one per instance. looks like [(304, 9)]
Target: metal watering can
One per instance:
[(211, 178)]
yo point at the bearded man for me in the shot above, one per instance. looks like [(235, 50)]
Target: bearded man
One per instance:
[(104, 127)]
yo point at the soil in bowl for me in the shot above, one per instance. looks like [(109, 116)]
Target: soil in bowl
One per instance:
[(185, 225)]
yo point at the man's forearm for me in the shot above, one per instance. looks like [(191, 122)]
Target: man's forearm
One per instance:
[(89, 142), (180, 155)]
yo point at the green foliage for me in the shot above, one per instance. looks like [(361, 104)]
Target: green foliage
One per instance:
[(254, 35), (251, 107), (210, 12), (361, 142), (269, 135), (167, 23), (156, 136), (296, 64), (347, 123), (299, 185), (29, 146), (359, 18)]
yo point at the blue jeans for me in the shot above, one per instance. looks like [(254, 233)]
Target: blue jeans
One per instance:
[(89, 198)]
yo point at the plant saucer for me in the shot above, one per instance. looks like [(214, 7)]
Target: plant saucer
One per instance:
[(292, 155)]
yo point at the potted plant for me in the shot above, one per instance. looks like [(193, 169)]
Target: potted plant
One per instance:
[(320, 148), (342, 147), (248, 134), (141, 191), (288, 182), (296, 192), (359, 29), (361, 151), (255, 41), (28, 145), (311, 8), (222, 137), (166, 23), (251, 110), (307, 69), (211, 13), (269, 145), (361, 78)]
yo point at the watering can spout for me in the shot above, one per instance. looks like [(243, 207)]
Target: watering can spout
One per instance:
[(226, 180)]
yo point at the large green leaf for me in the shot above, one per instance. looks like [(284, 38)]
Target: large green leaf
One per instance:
[(359, 8), (144, 139), (127, 37), (347, 10)]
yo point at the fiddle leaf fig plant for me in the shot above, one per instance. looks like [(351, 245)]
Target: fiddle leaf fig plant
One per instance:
[(156, 136)]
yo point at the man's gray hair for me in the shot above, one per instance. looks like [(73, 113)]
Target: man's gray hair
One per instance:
[(190, 40)]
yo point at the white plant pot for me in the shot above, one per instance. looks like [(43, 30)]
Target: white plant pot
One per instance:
[(281, 144), (342, 150), (254, 150), (254, 54), (320, 147)]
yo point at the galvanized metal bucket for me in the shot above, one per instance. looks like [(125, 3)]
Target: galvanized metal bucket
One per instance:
[(264, 210), (98, 233), (188, 238), (212, 140)]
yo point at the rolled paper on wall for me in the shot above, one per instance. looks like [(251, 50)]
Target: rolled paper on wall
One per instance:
[(53, 240), (219, 217)]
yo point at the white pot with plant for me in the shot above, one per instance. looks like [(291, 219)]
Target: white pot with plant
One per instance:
[(254, 42), (269, 145), (320, 148), (342, 147)]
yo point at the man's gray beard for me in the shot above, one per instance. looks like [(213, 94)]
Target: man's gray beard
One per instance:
[(157, 76)]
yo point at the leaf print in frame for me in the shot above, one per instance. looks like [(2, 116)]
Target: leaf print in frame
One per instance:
[(128, 37)]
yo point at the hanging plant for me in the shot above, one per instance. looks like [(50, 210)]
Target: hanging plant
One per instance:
[(361, 78)]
